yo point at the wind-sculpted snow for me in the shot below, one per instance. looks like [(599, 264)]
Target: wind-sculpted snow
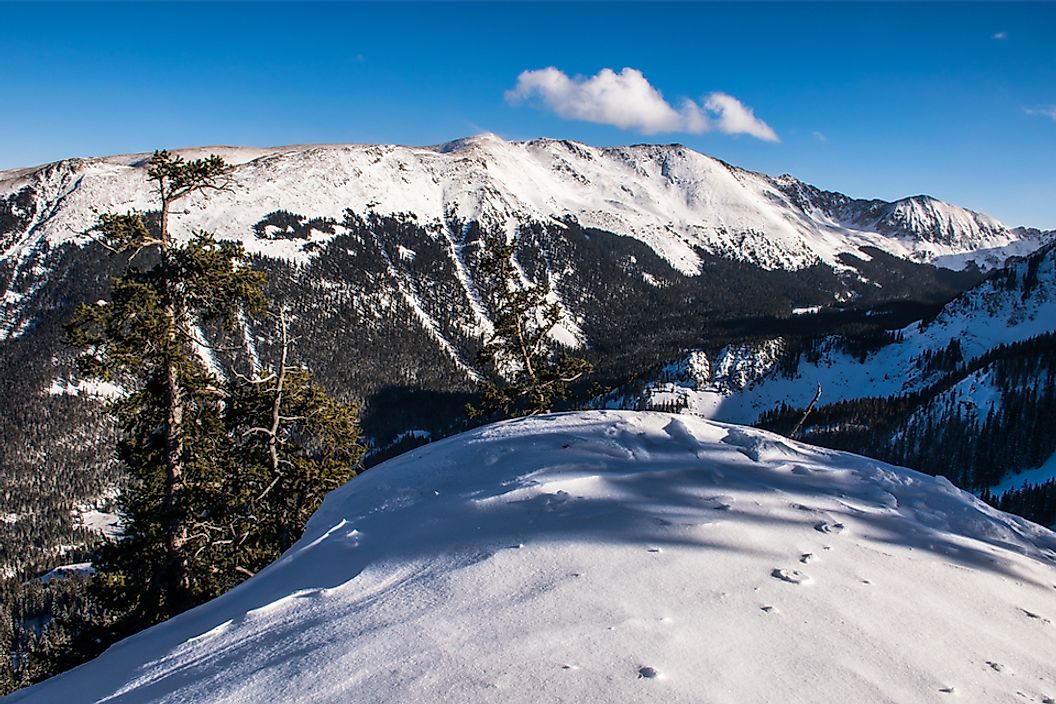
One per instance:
[(619, 557)]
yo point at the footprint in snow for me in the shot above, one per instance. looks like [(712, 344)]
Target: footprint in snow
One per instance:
[(790, 576), (770, 609), (998, 667), (807, 557), (947, 690), (718, 503), (830, 528), (649, 673), (655, 550), (1039, 617)]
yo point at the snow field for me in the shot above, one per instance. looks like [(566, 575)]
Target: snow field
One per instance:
[(625, 557)]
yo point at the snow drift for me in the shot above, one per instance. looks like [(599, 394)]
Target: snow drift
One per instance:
[(619, 557)]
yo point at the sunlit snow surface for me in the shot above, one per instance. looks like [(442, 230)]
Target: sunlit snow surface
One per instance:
[(619, 557)]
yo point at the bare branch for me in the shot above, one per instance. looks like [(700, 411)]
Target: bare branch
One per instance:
[(271, 486), (254, 380)]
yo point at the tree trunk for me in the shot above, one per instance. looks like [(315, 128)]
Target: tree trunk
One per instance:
[(179, 581)]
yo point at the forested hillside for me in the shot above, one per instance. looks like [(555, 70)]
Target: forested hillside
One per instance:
[(966, 393)]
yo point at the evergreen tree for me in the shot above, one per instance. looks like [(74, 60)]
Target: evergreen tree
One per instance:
[(146, 341), (526, 371)]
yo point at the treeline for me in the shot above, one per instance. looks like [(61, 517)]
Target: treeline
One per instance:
[(1036, 501), (55, 448), (38, 623)]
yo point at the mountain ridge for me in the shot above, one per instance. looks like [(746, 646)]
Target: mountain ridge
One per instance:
[(669, 196), (982, 365)]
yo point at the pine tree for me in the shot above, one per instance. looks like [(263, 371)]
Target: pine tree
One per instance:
[(294, 443), (224, 469), (526, 372), (144, 340)]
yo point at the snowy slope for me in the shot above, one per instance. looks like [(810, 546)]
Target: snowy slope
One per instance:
[(744, 380), (932, 227), (671, 197), (619, 557), (1016, 480)]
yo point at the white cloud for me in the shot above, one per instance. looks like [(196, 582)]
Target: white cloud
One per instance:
[(627, 100), (734, 117), (1049, 112), (820, 136), (1001, 36)]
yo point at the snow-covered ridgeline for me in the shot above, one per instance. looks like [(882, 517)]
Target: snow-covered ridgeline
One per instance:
[(669, 196), (631, 557)]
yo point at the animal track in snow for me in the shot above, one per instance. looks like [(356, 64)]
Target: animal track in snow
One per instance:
[(830, 528), (790, 576), (646, 672)]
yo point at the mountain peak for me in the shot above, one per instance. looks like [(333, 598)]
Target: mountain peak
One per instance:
[(484, 139)]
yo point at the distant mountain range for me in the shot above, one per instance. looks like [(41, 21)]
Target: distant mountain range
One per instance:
[(676, 200)]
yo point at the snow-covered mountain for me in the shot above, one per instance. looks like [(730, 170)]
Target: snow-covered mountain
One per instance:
[(375, 250), (618, 557), (934, 229), (288, 203), (673, 198)]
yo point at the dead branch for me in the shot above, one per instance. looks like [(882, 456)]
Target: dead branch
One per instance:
[(810, 407)]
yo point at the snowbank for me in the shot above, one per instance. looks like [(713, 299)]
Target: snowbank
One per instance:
[(619, 557)]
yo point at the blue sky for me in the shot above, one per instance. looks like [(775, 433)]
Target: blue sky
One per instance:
[(875, 100)]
